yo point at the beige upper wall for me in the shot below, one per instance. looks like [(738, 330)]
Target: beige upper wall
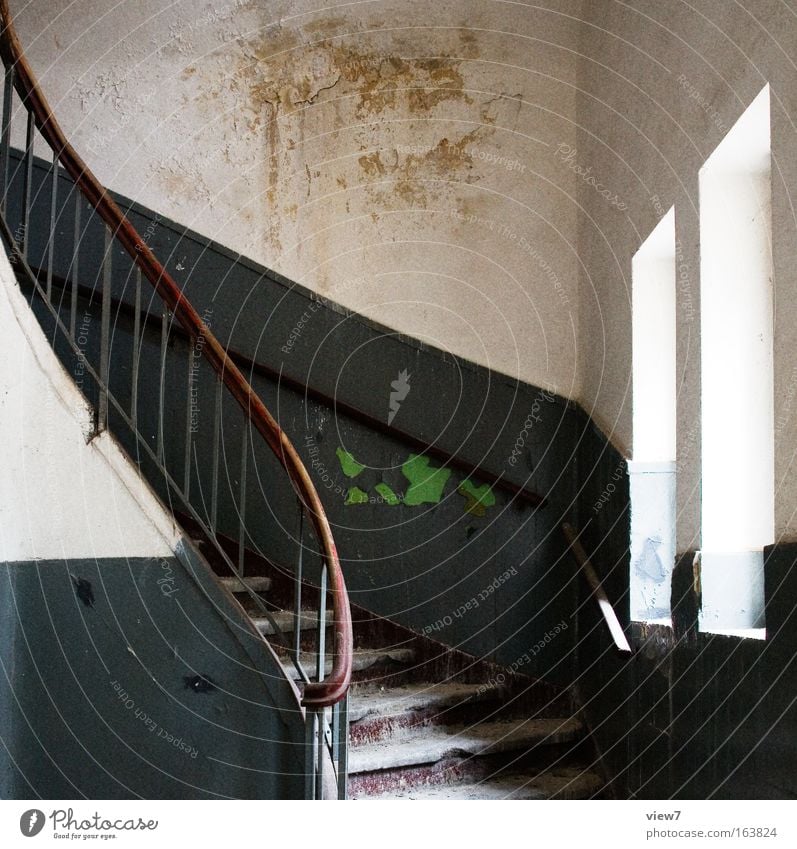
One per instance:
[(416, 162), (397, 157), (673, 78)]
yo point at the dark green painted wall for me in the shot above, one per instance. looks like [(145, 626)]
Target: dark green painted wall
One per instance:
[(125, 678)]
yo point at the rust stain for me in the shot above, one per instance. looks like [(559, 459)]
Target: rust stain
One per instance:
[(393, 82), (283, 70), (409, 171)]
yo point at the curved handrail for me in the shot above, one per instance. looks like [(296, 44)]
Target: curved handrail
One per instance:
[(317, 694)]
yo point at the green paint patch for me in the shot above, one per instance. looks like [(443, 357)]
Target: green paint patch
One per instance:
[(350, 467), (426, 482), (388, 496), (356, 496), (477, 498)]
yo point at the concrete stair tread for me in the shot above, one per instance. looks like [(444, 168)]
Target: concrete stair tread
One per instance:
[(257, 583), (284, 620), (390, 701), (361, 660), (430, 744), (561, 783)]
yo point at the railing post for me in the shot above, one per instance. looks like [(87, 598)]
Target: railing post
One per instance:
[(27, 185), (105, 333), (320, 759), (192, 384), (242, 510), (161, 449), (214, 475), (8, 96), (310, 753), (297, 590), (138, 342), (342, 747), (51, 235), (75, 265)]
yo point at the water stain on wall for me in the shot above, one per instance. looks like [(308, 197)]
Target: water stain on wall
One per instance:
[(415, 174), (375, 95)]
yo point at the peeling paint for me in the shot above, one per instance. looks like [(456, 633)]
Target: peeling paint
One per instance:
[(349, 466), (387, 494), (477, 498), (426, 482), (356, 496)]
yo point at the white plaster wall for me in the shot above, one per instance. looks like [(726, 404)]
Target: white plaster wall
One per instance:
[(397, 156), (60, 495)]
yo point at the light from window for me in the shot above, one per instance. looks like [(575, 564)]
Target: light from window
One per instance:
[(737, 374), (652, 470)]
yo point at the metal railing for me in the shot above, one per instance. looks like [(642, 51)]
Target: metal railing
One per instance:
[(58, 287), (596, 587)]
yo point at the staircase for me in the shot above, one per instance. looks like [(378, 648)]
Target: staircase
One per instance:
[(428, 722)]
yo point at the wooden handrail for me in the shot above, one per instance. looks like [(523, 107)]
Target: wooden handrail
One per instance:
[(317, 694)]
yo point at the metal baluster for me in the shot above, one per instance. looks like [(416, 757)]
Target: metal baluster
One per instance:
[(297, 590), (214, 485), (342, 709), (242, 512), (8, 95), (322, 624), (51, 237), (320, 759), (189, 409), (162, 389), (27, 186), (320, 662), (105, 333), (75, 265), (335, 732), (310, 753), (137, 342)]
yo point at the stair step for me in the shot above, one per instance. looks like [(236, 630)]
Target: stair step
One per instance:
[(386, 702), (361, 660), (257, 583), (433, 743), (560, 783), (308, 619)]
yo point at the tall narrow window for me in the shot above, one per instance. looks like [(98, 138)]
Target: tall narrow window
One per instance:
[(737, 374), (652, 470)]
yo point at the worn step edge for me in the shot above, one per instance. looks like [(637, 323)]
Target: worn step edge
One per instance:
[(418, 697), (559, 784), (432, 743), (361, 660), (257, 584), (308, 619)]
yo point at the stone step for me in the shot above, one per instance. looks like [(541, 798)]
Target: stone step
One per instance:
[(382, 712), (430, 744), (361, 660), (383, 702), (284, 620), (257, 583), (558, 783)]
